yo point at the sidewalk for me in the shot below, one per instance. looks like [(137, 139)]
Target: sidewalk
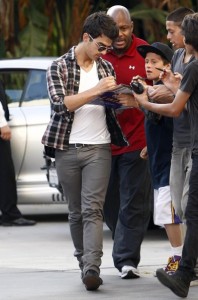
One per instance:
[(37, 263)]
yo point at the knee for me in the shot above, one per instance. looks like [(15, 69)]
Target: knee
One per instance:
[(92, 214), (75, 217)]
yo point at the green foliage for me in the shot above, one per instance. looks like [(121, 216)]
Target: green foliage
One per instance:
[(50, 27), (151, 20), (143, 13), (101, 5), (33, 38), (2, 47)]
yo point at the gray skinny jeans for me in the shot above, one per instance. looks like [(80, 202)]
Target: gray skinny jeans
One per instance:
[(84, 175), (181, 165)]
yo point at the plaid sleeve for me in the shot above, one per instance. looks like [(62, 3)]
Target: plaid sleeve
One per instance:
[(56, 89)]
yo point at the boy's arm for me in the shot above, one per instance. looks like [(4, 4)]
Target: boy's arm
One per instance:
[(161, 94), (169, 109), (165, 93)]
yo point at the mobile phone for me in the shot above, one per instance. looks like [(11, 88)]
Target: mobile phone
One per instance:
[(160, 69)]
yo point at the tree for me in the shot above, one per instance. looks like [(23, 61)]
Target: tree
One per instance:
[(42, 27), (7, 40), (51, 27), (150, 17)]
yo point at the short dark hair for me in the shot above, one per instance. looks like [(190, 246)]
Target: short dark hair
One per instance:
[(100, 23), (178, 15), (189, 30)]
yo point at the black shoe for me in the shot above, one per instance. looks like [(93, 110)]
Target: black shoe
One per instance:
[(19, 222), (91, 280), (175, 282)]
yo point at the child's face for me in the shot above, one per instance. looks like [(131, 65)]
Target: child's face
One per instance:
[(153, 61), (174, 35)]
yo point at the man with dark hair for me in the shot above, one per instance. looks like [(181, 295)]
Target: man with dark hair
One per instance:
[(81, 132), (11, 216), (181, 155), (181, 162)]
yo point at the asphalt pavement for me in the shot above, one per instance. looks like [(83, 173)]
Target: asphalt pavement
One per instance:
[(37, 263)]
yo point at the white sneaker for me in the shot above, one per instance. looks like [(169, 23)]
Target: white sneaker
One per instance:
[(129, 272), (194, 281)]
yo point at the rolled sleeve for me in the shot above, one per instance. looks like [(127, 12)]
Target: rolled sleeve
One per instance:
[(56, 88)]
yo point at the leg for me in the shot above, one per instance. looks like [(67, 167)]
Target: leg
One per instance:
[(134, 213), (164, 212), (69, 174), (177, 179), (8, 202), (96, 165), (84, 175), (187, 169), (112, 200), (164, 215), (173, 232), (190, 249), (179, 282), (181, 166)]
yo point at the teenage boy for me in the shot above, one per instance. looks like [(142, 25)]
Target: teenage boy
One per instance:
[(181, 162), (181, 156), (186, 95), (81, 133), (159, 133)]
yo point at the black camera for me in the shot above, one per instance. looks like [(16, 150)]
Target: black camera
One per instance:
[(137, 87)]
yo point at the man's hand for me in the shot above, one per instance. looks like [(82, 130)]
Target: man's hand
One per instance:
[(106, 84), (127, 100), (5, 133), (144, 153), (142, 99), (160, 94), (171, 80)]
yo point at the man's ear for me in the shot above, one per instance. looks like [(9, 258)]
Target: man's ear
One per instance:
[(85, 37)]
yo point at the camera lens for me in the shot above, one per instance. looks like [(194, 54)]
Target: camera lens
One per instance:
[(137, 87)]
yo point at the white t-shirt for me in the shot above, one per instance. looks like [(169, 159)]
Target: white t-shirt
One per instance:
[(89, 125)]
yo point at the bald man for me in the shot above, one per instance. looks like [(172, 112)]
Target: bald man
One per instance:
[(127, 205)]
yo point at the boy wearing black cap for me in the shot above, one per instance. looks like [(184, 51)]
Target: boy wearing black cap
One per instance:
[(159, 134)]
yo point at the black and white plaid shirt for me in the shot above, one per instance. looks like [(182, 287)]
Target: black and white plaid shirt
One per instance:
[(63, 78)]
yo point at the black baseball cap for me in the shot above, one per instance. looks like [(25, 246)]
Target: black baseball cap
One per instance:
[(159, 48)]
